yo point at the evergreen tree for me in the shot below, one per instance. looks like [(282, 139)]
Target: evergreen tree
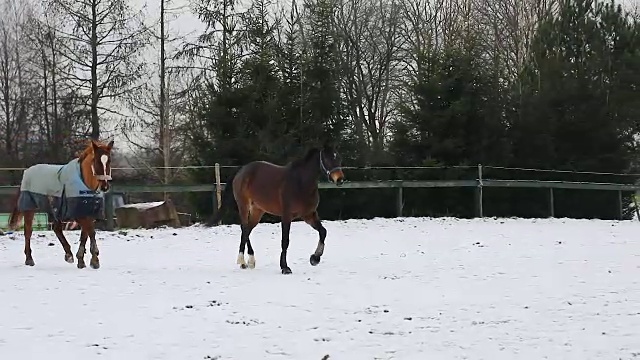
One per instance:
[(322, 115), (455, 120), (578, 112)]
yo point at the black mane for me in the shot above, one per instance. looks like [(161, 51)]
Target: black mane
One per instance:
[(310, 153)]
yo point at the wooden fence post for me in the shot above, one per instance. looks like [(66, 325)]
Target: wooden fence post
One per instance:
[(218, 190), (399, 201), (109, 211), (479, 209), (552, 210), (620, 205)]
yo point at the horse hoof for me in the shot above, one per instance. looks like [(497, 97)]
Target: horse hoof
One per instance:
[(29, 262), (95, 264), (314, 260), (68, 258), (286, 271), (243, 266), (81, 265)]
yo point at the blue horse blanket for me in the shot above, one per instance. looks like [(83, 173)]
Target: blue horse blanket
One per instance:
[(59, 190)]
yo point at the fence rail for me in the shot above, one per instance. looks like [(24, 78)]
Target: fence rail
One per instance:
[(479, 184)]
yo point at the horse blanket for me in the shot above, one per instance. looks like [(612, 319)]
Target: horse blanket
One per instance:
[(59, 190)]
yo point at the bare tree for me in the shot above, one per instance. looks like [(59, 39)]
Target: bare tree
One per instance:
[(14, 84), (61, 116), (158, 112), (371, 45), (508, 27), (105, 39)]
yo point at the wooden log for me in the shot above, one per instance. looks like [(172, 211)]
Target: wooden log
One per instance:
[(147, 215)]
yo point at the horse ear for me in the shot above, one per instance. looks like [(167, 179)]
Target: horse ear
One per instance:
[(328, 145)]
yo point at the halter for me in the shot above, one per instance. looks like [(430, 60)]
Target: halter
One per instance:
[(106, 177), (324, 168)]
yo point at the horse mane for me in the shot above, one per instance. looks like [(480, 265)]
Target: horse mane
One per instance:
[(85, 153), (309, 154)]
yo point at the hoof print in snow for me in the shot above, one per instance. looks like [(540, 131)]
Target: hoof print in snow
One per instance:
[(50, 244), (408, 318), (123, 233), (387, 333), (391, 277), (323, 339), (209, 357), (210, 303), (244, 322), (214, 303), (478, 244), (375, 309)]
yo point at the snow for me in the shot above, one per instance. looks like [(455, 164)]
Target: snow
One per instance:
[(412, 288), (143, 206)]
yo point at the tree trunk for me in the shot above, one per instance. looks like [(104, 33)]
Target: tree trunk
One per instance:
[(95, 123)]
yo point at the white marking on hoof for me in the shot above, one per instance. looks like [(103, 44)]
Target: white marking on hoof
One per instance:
[(240, 260), (252, 262)]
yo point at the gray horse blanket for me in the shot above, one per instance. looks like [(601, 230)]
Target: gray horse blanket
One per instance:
[(59, 190)]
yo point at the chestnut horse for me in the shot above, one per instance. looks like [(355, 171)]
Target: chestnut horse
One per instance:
[(68, 192), (289, 191)]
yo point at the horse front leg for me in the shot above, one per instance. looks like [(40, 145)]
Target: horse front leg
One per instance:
[(286, 227), (28, 231), (93, 248), (57, 229), (81, 247), (314, 220)]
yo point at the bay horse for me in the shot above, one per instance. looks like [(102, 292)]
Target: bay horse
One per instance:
[(67, 192), (289, 191)]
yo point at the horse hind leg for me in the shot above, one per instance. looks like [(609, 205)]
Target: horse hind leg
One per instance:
[(28, 231), (250, 218), (254, 219), (57, 229), (314, 220), (243, 210)]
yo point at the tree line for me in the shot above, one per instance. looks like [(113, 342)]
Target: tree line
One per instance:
[(548, 84)]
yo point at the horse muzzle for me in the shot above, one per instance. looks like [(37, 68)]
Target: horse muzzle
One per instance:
[(105, 186), (337, 177)]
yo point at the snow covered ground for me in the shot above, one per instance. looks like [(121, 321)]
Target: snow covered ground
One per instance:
[(386, 289)]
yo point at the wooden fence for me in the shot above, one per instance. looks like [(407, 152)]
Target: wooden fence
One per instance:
[(399, 185)]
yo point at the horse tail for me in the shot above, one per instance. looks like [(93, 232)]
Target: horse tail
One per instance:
[(16, 215), (225, 199)]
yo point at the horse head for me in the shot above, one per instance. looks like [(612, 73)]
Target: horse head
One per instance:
[(331, 164), (95, 163)]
